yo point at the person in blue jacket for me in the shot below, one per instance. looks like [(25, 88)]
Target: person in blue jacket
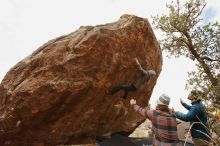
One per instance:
[(197, 117)]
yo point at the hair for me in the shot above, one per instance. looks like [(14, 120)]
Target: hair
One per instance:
[(163, 108), (196, 94)]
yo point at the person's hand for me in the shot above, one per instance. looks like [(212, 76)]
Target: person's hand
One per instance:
[(136, 61), (181, 101), (132, 101)]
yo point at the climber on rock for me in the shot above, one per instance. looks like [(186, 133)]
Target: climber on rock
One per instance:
[(145, 75)]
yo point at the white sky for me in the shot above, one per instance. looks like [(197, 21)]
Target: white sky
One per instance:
[(25, 25)]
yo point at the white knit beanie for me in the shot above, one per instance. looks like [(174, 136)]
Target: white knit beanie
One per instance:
[(163, 100)]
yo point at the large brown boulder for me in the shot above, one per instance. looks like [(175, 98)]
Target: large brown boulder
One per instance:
[(57, 94)]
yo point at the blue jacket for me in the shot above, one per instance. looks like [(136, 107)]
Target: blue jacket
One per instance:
[(196, 113)]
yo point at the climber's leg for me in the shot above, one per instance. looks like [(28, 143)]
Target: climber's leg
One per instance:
[(128, 88), (116, 89)]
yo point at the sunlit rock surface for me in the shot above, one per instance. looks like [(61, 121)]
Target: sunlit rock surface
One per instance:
[(57, 94)]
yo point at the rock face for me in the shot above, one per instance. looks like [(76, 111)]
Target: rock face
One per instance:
[(57, 94)]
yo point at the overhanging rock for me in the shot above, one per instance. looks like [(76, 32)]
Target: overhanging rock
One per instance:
[(57, 94)]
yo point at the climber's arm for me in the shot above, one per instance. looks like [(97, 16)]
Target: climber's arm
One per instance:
[(147, 73), (139, 66)]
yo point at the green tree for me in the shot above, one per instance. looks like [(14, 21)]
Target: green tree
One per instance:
[(186, 35)]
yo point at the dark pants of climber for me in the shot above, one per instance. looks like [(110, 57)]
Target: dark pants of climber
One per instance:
[(124, 87)]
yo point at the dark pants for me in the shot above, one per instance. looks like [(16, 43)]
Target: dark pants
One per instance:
[(127, 88)]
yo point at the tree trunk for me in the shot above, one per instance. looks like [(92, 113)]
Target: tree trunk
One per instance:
[(206, 68)]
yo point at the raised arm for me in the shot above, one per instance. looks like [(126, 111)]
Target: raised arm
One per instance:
[(139, 66), (186, 117), (147, 73), (143, 111), (188, 107)]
